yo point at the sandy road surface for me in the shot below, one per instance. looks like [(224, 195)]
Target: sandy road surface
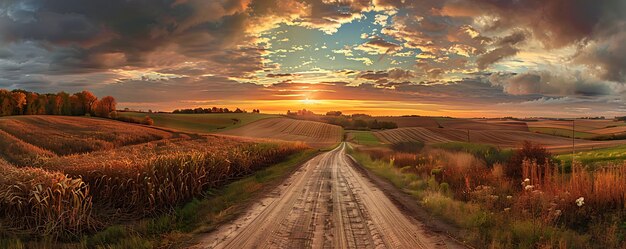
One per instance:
[(325, 204)]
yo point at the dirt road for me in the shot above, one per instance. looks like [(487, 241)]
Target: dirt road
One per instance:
[(325, 204)]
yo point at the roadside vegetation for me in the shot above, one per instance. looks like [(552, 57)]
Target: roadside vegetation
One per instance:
[(519, 198)]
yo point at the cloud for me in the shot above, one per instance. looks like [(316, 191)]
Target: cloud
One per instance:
[(280, 75), (495, 55), (546, 83), (606, 58), (378, 45)]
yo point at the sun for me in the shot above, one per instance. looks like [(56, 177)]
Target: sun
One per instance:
[(309, 101)]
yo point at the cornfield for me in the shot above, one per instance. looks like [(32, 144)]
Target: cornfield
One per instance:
[(39, 202), (123, 173), (71, 135), (136, 180), (142, 179)]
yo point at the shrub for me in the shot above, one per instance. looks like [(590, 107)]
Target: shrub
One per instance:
[(147, 121), (531, 152)]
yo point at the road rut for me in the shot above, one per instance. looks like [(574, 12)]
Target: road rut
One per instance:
[(325, 204)]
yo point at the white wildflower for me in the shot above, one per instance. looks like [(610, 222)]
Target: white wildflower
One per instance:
[(580, 201), (529, 187)]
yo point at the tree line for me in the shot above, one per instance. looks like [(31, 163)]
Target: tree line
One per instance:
[(357, 121), (200, 110), (21, 102)]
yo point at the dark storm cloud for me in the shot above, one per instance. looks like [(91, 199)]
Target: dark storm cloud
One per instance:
[(106, 34), (546, 83), (566, 21), (596, 27), (495, 55)]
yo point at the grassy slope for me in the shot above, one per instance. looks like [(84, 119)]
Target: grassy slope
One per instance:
[(562, 132), (365, 138), (603, 155), (201, 123)]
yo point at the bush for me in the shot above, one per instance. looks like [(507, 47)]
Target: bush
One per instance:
[(532, 152), (147, 121)]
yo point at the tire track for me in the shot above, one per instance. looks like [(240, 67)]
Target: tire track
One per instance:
[(325, 204)]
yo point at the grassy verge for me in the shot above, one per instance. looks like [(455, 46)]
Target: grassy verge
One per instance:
[(596, 157), (365, 138), (176, 228), (489, 153), (481, 227)]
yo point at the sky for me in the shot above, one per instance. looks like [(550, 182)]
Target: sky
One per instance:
[(461, 58)]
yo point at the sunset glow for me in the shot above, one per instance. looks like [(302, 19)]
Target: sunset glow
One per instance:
[(420, 57)]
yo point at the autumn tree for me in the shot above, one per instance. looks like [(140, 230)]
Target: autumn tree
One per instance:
[(6, 106), (85, 103), (32, 101), (19, 102), (105, 106)]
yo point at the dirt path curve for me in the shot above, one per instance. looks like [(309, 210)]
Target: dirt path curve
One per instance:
[(325, 204)]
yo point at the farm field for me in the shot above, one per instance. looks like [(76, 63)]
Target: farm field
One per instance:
[(455, 123), (200, 123), (27, 137), (586, 129), (502, 138), (86, 174), (315, 134), (362, 137)]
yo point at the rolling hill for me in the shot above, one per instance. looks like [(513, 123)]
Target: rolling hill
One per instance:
[(315, 134)]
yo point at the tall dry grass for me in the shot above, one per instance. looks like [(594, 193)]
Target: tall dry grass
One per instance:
[(572, 198)]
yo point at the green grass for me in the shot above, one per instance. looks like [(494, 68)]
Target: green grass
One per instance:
[(200, 123), (562, 132), (365, 138), (595, 157)]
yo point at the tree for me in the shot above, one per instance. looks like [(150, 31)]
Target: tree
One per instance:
[(6, 106), (334, 113), (32, 102), (88, 100), (360, 123), (105, 106), (18, 101)]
